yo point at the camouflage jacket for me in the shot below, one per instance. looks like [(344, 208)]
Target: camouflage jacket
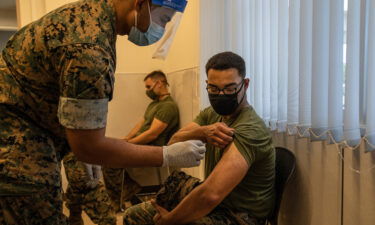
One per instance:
[(59, 72)]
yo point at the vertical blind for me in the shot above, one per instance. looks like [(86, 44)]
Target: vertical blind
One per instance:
[(311, 64)]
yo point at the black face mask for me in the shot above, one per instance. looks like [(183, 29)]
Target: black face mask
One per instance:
[(151, 94), (225, 104)]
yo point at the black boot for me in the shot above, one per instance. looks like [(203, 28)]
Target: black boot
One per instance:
[(75, 216)]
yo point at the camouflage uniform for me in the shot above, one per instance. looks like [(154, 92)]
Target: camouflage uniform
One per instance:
[(94, 201), (55, 72), (120, 186), (175, 188)]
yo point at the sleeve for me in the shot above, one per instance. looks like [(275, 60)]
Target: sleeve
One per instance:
[(250, 144), (202, 118), (86, 85), (167, 113), (252, 138)]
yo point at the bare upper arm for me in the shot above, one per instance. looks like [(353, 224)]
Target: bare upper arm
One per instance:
[(228, 173)]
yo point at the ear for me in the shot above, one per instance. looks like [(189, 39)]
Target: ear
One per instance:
[(138, 4), (246, 83)]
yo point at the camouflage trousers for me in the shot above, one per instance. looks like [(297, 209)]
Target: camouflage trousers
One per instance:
[(94, 201), (29, 171), (120, 186), (44, 207), (176, 187)]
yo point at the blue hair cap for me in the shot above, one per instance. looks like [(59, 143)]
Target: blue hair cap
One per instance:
[(178, 5)]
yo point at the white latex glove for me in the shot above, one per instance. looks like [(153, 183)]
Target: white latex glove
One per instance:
[(184, 154), (94, 173)]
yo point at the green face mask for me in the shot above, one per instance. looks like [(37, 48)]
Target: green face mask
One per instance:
[(151, 94)]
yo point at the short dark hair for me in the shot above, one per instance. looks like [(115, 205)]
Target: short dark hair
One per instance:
[(227, 60), (157, 75)]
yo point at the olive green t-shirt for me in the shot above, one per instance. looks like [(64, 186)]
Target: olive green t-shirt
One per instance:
[(165, 110), (255, 193)]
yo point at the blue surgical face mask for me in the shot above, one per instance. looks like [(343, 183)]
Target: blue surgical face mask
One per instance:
[(153, 34)]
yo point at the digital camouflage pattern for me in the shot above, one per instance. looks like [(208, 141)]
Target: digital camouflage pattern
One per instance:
[(68, 54), (44, 207), (120, 186), (94, 201), (176, 187)]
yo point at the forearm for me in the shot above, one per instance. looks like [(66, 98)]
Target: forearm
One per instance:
[(144, 138), (196, 133), (132, 133), (118, 153), (135, 130), (197, 204)]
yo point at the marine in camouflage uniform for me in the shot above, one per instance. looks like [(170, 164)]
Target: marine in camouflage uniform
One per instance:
[(55, 72), (174, 190), (93, 200)]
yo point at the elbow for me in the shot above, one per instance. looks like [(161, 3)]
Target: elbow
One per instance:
[(85, 151), (151, 137), (86, 144), (210, 198), (82, 153)]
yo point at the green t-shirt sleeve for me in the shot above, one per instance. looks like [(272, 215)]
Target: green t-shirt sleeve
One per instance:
[(252, 142), (166, 113), (202, 118)]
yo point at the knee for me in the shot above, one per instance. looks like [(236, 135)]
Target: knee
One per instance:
[(130, 217), (139, 214)]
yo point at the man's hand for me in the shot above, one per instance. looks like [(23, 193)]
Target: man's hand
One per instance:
[(126, 138), (94, 173), (162, 215), (184, 154), (218, 134)]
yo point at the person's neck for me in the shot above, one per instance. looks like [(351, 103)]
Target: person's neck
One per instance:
[(238, 110), (163, 96)]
